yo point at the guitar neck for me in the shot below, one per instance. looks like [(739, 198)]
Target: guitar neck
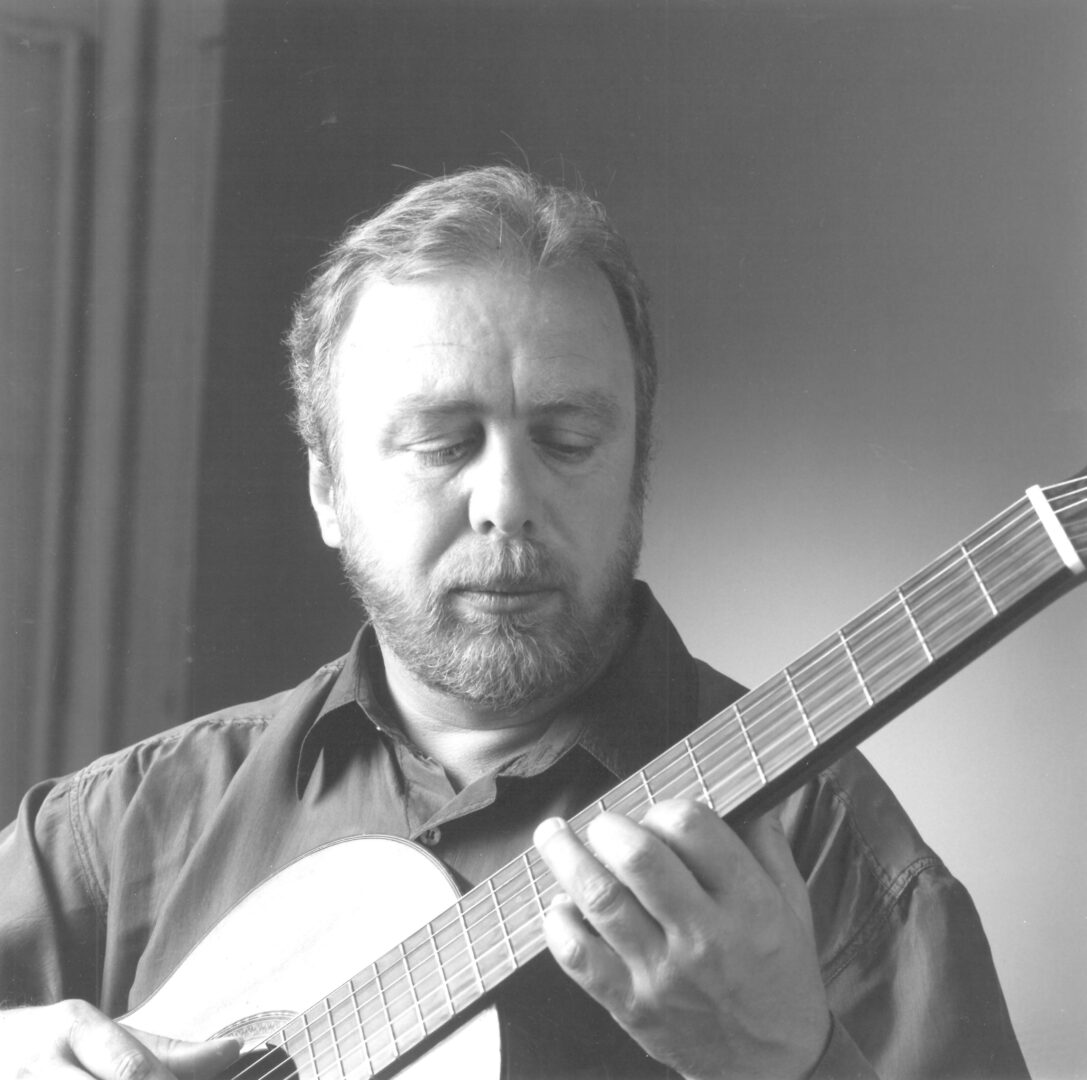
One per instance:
[(739, 762)]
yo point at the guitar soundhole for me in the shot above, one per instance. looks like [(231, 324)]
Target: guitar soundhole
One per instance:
[(267, 1063)]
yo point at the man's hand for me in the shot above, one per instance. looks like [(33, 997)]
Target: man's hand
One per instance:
[(697, 942), (73, 1040)]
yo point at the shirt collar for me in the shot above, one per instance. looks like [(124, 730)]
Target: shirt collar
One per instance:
[(646, 700)]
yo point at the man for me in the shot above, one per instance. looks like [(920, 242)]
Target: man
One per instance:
[(475, 375)]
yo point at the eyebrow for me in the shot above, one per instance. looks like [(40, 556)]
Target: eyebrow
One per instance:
[(598, 404)]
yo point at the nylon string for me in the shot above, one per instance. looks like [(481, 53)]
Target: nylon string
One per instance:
[(721, 767)]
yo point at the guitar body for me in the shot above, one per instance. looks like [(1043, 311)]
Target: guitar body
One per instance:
[(379, 920), (313, 925)]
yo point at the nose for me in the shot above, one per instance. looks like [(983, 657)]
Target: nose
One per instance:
[(503, 500)]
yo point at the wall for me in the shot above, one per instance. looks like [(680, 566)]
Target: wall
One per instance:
[(107, 136), (864, 228)]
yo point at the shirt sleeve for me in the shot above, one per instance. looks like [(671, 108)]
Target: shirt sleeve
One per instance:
[(842, 1060), (921, 998), (51, 920)]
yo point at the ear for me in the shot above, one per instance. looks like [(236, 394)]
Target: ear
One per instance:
[(322, 496)]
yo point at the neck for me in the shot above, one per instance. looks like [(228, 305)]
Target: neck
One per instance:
[(468, 740)]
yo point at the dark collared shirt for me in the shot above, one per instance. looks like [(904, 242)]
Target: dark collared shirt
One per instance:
[(108, 877)]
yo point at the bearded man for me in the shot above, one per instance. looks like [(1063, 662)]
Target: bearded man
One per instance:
[(475, 374)]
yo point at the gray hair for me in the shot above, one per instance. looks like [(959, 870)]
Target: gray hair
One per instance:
[(477, 218)]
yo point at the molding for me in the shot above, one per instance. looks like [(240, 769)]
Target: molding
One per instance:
[(121, 340), (53, 54), (153, 681)]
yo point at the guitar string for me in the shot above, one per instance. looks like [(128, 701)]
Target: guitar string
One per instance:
[(407, 977), (421, 1023), (618, 799), (627, 795), (888, 663), (418, 1025)]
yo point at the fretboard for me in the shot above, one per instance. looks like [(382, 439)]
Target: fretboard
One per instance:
[(751, 754)]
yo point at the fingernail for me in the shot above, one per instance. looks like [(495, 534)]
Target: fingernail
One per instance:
[(548, 828)]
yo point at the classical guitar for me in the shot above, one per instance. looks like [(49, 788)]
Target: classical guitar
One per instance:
[(298, 990)]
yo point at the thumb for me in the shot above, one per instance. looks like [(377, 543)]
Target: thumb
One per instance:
[(191, 1060)]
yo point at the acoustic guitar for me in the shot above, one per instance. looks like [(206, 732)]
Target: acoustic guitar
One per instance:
[(402, 988)]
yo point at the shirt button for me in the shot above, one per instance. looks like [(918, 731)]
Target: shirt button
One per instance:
[(431, 837)]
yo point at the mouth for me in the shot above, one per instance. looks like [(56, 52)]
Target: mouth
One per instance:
[(507, 598)]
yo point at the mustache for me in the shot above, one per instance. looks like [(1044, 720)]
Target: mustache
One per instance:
[(523, 565)]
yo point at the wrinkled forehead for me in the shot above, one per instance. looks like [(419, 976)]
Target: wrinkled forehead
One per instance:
[(479, 327)]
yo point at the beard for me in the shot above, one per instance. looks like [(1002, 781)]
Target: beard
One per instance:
[(501, 661)]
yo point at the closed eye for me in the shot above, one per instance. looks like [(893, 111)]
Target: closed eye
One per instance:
[(450, 454), (567, 451)]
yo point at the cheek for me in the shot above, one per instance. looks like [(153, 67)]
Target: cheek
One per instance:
[(602, 512), (398, 524)]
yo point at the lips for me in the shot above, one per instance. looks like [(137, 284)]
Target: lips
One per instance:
[(506, 598)]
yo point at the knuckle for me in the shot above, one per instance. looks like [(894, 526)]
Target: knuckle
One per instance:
[(76, 1016), (636, 1011), (680, 817), (601, 896), (637, 856), (705, 954), (572, 955), (134, 1065), (687, 814)]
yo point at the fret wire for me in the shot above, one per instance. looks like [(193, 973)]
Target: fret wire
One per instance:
[(739, 782), (887, 646), (763, 704), (736, 767), (363, 1041), (697, 771), (502, 923), (856, 670), (645, 784), (700, 776), (772, 716), (913, 622), (335, 1047), (833, 703), (441, 968), (384, 1002), (1018, 565), (300, 1043), (747, 739), (664, 769), (732, 749), (471, 948), (309, 1040), (536, 894), (800, 707), (412, 991), (977, 578)]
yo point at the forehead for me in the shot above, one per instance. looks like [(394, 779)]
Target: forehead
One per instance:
[(505, 338)]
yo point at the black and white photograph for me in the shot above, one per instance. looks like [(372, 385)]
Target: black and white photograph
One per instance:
[(534, 538)]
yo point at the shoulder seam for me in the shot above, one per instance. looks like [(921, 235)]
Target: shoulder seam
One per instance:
[(165, 738), (77, 783), (878, 918), (892, 889), (91, 879)]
